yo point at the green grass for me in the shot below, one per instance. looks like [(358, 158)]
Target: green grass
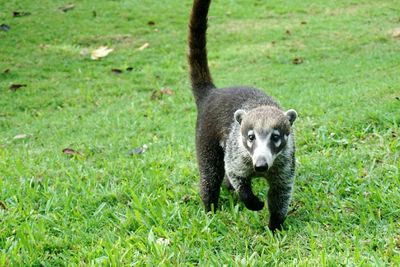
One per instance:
[(106, 207)]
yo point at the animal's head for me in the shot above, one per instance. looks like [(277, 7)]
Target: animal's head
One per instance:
[(265, 133)]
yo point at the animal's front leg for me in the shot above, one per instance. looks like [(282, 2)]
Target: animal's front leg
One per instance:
[(246, 195), (278, 202)]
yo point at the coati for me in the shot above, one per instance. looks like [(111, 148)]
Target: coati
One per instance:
[(240, 132)]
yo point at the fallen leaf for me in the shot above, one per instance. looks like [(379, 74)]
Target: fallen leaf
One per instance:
[(396, 33), (67, 7), (138, 150), (70, 151), (166, 91), (158, 94), (20, 14), (15, 86), (116, 71), (5, 27), (151, 23), (298, 60), (22, 136), (143, 47), (100, 52), (3, 206)]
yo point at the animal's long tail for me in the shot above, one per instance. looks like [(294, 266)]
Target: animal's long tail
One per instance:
[(199, 72)]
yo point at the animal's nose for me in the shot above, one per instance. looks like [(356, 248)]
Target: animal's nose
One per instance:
[(261, 165)]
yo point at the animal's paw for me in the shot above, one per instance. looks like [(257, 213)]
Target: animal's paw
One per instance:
[(250, 200), (254, 204), (276, 224)]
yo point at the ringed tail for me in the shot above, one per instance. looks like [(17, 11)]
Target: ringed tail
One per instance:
[(198, 64)]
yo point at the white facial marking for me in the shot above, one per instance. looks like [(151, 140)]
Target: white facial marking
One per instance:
[(262, 150)]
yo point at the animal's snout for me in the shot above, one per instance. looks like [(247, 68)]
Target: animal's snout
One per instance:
[(261, 165)]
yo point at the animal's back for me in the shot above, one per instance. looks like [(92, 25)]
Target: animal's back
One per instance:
[(215, 114)]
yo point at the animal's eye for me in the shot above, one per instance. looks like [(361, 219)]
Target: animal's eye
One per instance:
[(251, 137), (275, 137)]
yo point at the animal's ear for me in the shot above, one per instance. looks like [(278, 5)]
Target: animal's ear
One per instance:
[(239, 114), (292, 115)]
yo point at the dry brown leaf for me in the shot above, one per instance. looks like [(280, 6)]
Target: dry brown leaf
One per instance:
[(143, 47), (166, 91), (116, 71), (158, 94), (15, 86), (100, 52), (20, 14), (70, 151), (396, 33), (67, 7), (298, 60)]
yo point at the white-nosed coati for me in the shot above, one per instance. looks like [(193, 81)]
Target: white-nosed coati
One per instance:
[(240, 132)]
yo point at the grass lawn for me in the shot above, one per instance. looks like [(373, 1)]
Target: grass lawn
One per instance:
[(125, 192)]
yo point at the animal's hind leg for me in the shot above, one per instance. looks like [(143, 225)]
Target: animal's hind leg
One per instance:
[(211, 165)]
